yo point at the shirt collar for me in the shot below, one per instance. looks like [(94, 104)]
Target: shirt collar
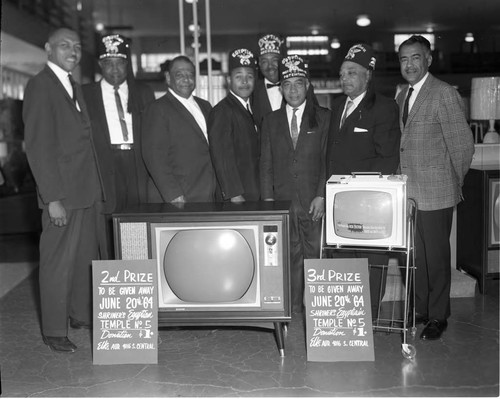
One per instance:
[(418, 86), (243, 102), (60, 73), (181, 99), (300, 108), (107, 86), (358, 99)]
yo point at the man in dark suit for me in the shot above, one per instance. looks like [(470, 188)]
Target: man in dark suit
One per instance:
[(436, 153), (233, 136), (293, 167), (115, 105), (62, 158), (364, 136), (175, 142)]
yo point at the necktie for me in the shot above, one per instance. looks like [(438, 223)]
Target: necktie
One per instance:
[(248, 109), (347, 108), (271, 85), (251, 116), (406, 106), (121, 114), (294, 128), (73, 86)]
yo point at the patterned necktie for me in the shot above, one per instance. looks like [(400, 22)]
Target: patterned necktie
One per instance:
[(294, 128), (121, 114), (73, 86), (347, 108), (406, 106)]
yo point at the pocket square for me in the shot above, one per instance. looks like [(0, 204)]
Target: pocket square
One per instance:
[(311, 132), (360, 130)]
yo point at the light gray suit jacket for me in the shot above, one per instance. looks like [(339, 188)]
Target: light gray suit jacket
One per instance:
[(436, 145)]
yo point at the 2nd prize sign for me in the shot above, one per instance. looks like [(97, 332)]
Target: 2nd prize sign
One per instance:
[(125, 312)]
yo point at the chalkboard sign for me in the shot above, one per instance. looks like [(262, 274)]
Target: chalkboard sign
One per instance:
[(338, 311), (125, 312)]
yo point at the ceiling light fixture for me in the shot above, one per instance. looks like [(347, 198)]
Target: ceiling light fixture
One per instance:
[(335, 44), (469, 37), (99, 27), (363, 20), (314, 31)]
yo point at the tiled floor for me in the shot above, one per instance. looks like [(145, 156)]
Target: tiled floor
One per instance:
[(234, 362)]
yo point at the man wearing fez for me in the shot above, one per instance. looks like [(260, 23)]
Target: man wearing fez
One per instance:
[(61, 154), (267, 96), (115, 105), (293, 167), (364, 136), (436, 153), (233, 136), (175, 141)]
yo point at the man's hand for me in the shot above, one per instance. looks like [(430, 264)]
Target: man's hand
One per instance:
[(317, 208), (238, 198), (180, 198), (57, 214)]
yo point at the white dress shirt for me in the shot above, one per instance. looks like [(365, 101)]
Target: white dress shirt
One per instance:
[(274, 95), (112, 117), (194, 109)]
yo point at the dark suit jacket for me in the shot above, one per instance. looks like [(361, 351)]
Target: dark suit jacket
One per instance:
[(286, 172), (369, 139), (436, 145), (59, 144), (141, 95), (176, 152), (235, 149)]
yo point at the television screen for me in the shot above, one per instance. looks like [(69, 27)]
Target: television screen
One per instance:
[(363, 214), (208, 265)]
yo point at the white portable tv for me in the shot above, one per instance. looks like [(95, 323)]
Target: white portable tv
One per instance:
[(367, 210)]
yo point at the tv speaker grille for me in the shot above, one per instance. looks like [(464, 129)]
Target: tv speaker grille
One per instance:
[(134, 241)]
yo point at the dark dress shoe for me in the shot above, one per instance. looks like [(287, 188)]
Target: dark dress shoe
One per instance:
[(434, 329), (59, 344), (79, 324)]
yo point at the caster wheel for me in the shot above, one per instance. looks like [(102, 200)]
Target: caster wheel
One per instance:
[(408, 351)]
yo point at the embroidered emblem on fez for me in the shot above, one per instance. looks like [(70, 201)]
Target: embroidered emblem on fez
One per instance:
[(293, 66), (270, 44), (244, 56), (114, 46), (354, 50)]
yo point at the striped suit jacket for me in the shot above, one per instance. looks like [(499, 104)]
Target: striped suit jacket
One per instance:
[(436, 145)]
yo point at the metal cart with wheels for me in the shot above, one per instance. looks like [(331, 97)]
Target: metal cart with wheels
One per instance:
[(395, 311)]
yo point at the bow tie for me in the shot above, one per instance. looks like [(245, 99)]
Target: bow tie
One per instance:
[(270, 85)]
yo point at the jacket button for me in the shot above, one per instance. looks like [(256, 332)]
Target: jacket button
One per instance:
[(402, 149)]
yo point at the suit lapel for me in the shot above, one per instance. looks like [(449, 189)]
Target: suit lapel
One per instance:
[(184, 113), (421, 97)]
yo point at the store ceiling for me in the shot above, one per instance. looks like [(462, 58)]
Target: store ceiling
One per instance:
[(290, 17)]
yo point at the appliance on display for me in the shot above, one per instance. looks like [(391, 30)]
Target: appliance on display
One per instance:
[(366, 210), (485, 104), (217, 263), (478, 226)]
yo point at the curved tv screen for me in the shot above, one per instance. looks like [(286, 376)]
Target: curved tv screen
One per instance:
[(363, 214), (212, 265)]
